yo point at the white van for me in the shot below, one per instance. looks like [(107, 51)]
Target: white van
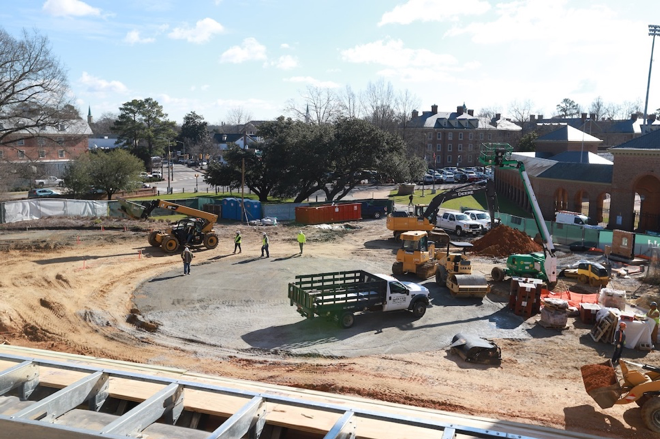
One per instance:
[(575, 219)]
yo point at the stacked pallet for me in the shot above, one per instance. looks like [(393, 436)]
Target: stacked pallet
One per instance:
[(605, 327)]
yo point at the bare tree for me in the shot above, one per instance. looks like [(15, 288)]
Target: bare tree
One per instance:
[(319, 105), (489, 112), (349, 103), (629, 108), (597, 108), (237, 116), (102, 125), (378, 105), (405, 103), (520, 110)]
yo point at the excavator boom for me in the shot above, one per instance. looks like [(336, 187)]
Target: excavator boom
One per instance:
[(139, 211)]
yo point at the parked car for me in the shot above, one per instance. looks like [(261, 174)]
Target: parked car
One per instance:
[(449, 177), (471, 176), (460, 177), (42, 193), (145, 175), (482, 218), (49, 181), (156, 174), (459, 223)]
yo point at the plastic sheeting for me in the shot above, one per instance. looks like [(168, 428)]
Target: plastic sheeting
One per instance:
[(23, 210)]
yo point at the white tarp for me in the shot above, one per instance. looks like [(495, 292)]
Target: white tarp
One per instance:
[(34, 209)]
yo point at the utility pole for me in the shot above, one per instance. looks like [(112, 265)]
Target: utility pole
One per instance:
[(243, 190), (654, 30)]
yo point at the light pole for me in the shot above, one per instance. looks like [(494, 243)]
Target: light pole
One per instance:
[(169, 164), (654, 30), (196, 187)]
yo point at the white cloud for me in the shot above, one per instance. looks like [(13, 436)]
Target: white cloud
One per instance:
[(391, 53), (285, 46), (286, 62), (98, 85), (205, 87), (433, 10), (201, 33), (67, 8), (133, 37), (312, 81), (249, 50)]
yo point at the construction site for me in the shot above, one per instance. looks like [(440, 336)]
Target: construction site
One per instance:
[(493, 334)]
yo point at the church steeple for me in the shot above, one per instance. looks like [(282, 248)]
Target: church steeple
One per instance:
[(90, 119)]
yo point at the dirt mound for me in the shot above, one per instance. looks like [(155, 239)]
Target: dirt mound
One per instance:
[(504, 241)]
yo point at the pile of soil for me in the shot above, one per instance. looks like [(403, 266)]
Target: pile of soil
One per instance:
[(597, 375), (504, 241)]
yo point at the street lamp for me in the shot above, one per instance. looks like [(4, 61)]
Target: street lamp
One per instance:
[(169, 164), (654, 30), (196, 187)]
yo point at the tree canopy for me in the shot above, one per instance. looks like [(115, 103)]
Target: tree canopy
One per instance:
[(568, 108)]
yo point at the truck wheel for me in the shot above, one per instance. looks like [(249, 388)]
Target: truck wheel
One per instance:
[(419, 309), (497, 274), (441, 276), (583, 279), (346, 320), (459, 231), (169, 244), (210, 241), (41, 184), (651, 414), (377, 215), (153, 239), (397, 268)]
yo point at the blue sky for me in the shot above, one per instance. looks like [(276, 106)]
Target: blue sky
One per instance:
[(210, 56)]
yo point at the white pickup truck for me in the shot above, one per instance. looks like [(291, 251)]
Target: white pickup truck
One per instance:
[(459, 223), (49, 181)]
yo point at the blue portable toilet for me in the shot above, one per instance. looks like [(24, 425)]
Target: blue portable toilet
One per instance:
[(253, 210), (231, 209)]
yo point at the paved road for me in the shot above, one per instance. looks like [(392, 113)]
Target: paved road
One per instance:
[(241, 303)]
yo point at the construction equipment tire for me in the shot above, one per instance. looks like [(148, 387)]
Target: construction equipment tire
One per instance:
[(210, 241), (170, 244), (419, 309), (397, 268), (397, 236), (583, 279), (642, 400), (594, 282), (426, 270), (153, 236), (441, 276), (497, 274), (346, 320), (651, 414)]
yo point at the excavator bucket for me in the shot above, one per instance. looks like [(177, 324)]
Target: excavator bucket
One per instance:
[(133, 210), (601, 383), (464, 285)]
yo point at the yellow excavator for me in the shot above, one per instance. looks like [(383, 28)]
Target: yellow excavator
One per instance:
[(196, 230)]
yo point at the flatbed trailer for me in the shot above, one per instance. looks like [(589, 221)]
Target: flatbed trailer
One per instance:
[(338, 295)]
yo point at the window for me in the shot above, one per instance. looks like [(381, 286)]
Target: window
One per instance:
[(60, 153), (20, 142), (449, 147), (60, 140), (460, 136), (430, 136), (448, 159), (439, 136), (471, 136), (481, 136), (460, 147), (450, 136), (469, 158), (459, 159), (42, 153), (21, 154), (470, 147), (41, 141), (490, 136), (429, 147), (438, 147)]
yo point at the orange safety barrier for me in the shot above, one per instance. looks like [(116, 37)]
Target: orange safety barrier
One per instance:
[(573, 299)]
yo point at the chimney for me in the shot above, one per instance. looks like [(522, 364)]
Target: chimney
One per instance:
[(459, 110), (584, 117), (592, 116), (633, 117), (540, 117), (497, 116), (471, 112), (532, 117), (415, 114), (434, 109)]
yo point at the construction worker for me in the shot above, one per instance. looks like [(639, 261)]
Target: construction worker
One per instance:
[(237, 242), (301, 240), (619, 342), (186, 257), (654, 314), (264, 245)]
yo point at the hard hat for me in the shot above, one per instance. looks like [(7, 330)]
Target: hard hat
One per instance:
[(623, 325), (264, 233), (653, 304)]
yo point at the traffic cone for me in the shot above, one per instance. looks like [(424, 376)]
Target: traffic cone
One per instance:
[(102, 229)]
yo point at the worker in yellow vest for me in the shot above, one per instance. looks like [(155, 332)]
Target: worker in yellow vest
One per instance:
[(237, 242), (264, 245), (301, 240)]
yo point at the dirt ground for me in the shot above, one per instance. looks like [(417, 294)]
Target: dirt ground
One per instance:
[(68, 286)]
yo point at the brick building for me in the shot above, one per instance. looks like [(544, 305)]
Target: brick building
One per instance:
[(452, 139)]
